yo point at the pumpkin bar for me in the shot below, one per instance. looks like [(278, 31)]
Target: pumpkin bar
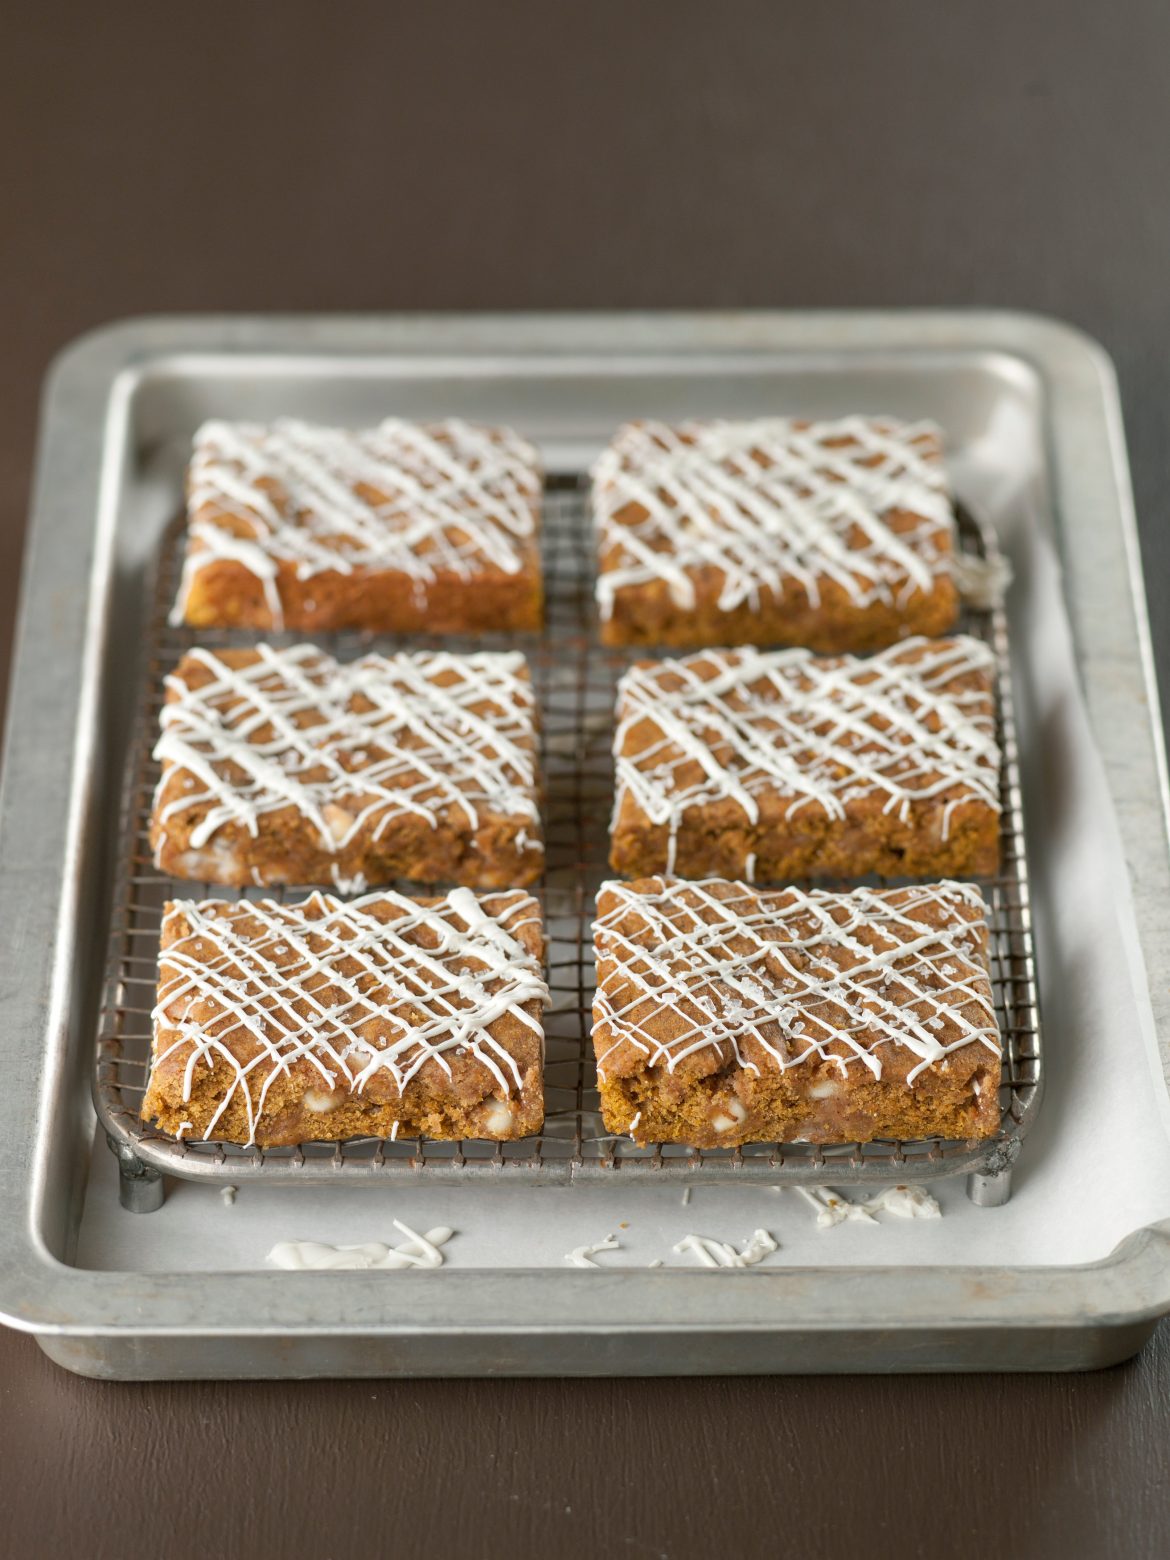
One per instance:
[(769, 765), (409, 528), (330, 1019), (727, 1014), (835, 535), (288, 766)]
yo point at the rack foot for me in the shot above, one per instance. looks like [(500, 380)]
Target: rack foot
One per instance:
[(140, 1188), (990, 1190)]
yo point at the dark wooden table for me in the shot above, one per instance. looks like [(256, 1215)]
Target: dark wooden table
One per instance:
[(292, 156)]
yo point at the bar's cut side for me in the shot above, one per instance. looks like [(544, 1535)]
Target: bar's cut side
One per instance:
[(726, 1014), (378, 1017), (773, 765), (835, 535), (403, 528), (287, 766)]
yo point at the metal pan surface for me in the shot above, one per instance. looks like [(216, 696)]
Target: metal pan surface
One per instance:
[(119, 413)]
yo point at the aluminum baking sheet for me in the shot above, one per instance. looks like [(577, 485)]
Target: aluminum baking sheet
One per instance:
[(1072, 1272)]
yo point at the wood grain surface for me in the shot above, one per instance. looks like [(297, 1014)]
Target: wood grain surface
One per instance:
[(300, 156)]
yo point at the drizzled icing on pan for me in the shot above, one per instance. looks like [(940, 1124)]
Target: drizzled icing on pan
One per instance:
[(349, 746), (774, 502), (406, 497), (261, 988), (912, 724), (792, 976)]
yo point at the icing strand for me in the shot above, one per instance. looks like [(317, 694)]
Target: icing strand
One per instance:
[(582, 1256), (770, 502), (807, 975), (416, 1251), (406, 497), (332, 985), (904, 1202), (912, 723), (721, 1254), (350, 746)]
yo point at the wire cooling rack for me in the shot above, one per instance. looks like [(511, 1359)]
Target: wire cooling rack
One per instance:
[(576, 679)]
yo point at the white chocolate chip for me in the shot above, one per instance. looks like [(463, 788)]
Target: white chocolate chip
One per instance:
[(340, 822), (317, 1100), (360, 1055), (499, 1117), (824, 1090), (737, 1114), (214, 865)]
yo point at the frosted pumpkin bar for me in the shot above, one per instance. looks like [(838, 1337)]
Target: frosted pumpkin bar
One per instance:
[(770, 765), (329, 1019), (287, 766), (727, 1014), (837, 535), (429, 528)]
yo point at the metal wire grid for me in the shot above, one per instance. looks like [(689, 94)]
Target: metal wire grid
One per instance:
[(576, 680)]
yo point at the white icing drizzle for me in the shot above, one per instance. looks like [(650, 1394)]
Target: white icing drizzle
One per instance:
[(581, 1256), (721, 1254), (350, 746), (807, 975), (905, 1202), (416, 1251), (912, 724), (269, 980), (982, 582), (770, 501), (356, 884), (417, 499), (831, 1208)]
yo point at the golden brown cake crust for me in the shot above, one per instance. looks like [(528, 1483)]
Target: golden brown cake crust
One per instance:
[(726, 1014), (404, 528), (837, 536), (384, 1016), (646, 616), (284, 766), (773, 765)]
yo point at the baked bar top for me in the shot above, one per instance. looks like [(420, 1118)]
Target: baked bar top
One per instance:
[(346, 747), (911, 724), (415, 498), (774, 503), (334, 994), (880, 983)]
